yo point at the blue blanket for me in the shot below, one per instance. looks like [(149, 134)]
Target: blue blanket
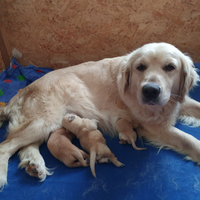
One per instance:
[(146, 174)]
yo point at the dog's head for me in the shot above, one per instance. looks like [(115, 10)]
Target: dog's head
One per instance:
[(157, 73)]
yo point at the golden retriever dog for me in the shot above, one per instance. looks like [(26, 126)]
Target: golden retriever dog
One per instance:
[(91, 140), (146, 89)]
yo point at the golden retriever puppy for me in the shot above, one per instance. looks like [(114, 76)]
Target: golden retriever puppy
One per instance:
[(147, 89), (90, 139), (125, 128), (60, 146)]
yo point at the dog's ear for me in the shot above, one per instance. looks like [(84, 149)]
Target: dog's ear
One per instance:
[(189, 77), (127, 79)]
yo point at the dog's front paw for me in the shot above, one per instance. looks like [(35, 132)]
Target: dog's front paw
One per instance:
[(129, 138), (194, 158)]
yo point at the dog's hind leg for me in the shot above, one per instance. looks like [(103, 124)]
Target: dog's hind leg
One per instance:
[(189, 113), (7, 149), (33, 162), (18, 138)]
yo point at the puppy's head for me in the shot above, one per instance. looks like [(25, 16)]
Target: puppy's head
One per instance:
[(157, 73)]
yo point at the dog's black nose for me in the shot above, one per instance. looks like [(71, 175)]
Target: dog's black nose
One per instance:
[(151, 91)]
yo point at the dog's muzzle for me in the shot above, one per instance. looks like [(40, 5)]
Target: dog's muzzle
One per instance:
[(151, 92)]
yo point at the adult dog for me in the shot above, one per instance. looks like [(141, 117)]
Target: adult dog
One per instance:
[(146, 89)]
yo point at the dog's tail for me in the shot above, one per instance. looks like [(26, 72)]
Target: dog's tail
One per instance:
[(92, 162)]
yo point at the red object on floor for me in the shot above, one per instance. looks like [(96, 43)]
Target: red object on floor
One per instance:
[(14, 66), (7, 81)]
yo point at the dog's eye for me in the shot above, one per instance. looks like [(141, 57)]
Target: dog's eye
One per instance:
[(169, 68), (141, 67)]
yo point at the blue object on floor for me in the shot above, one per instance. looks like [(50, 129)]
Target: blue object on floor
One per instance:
[(146, 174)]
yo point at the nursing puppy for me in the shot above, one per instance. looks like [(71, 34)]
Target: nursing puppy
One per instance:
[(146, 89), (61, 147), (91, 140)]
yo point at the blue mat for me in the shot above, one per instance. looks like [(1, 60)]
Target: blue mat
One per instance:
[(146, 174)]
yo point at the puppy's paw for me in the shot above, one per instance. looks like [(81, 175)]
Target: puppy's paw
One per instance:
[(129, 138), (113, 160), (100, 153), (76, 158)]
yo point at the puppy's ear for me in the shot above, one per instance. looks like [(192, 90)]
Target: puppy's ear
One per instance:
[(127, 79), (189, 77)]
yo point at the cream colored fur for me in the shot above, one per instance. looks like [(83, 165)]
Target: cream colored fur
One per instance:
[(60, 146), (108, 90), (90, 139)]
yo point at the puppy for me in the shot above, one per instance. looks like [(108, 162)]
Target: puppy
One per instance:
[(146, 89), (60, 146), (125, 129), (91, 140)]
